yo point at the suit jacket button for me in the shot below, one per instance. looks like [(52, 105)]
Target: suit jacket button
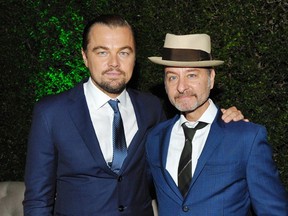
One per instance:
[(119, 178), (121, 208), (185, 208)]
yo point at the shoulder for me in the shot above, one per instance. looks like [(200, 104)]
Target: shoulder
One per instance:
[(244, 127), (60, 100), (143, 96), (163, 127), (147, 104), (237, 126), (239, 131), (243, 134)]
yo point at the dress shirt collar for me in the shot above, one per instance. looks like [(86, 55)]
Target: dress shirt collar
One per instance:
[(94, 92), (208, 116)]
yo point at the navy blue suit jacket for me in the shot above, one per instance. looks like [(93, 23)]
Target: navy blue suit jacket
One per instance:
[(235, 170), (66, 173)]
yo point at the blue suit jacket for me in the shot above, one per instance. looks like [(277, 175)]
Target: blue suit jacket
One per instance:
[(235, 170), (64, 158)]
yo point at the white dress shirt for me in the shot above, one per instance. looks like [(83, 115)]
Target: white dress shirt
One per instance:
[(102, 116), (177, 140)]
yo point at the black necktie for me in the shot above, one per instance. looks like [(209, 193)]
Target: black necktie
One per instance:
[(185, 163), (118, 137)]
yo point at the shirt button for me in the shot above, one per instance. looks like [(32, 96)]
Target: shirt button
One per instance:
[(119, 178), (121, 208), (185, 208)]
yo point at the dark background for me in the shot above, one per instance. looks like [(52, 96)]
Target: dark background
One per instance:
[(40, 55)]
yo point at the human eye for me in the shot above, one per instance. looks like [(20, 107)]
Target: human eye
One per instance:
[(191, 75), (124, 53), (171, 78), (102, 53)]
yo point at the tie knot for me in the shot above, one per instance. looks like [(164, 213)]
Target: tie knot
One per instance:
[(114, 105), (190, 132)]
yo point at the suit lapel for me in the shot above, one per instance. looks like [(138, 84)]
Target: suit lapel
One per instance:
[(214, 138), (140, 118), (144, 123), (79, 113), (164, 141)]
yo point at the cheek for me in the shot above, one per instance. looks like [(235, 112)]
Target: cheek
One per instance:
[(128, 67), (129, 64), (98, 65), (204, 90), (200, 86), (169, 91)]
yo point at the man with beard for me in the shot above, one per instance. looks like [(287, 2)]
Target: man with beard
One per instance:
[(200, 164), (80, 161)]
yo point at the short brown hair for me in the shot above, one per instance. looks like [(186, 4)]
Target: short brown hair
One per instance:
[(111, 20)]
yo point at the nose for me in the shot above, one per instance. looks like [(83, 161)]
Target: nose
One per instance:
[(182, 85), (113, 61)]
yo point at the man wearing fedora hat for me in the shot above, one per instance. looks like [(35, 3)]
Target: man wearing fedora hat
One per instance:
[(200, 164)]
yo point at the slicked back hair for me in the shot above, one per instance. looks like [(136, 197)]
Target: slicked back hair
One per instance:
[(110, 20)]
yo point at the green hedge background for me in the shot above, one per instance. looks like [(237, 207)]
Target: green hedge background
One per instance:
[(40, 55)]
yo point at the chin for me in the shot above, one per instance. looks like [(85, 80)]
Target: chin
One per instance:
[(184, 108)]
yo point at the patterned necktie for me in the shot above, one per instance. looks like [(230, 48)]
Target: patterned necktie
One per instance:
[(118, 136), (185, 163)]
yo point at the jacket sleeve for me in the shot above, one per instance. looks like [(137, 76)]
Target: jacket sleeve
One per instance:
[(266, 190), (40, 172)]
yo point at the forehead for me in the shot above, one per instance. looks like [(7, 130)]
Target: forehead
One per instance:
[(184, 69), (102, 35)]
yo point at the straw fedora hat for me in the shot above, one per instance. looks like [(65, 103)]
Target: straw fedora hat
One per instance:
[(193, 50)]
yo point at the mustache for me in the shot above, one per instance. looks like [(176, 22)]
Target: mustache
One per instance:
[(184, 94), (113, 69)]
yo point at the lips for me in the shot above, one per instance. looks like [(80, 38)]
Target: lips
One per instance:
[(184, 96), (113, 72)]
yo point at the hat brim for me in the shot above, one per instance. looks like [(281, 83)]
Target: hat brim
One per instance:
[(210, 63)]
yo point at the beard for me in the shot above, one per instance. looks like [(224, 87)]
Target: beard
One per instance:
[(188, 107), (112, 89), (112, 86)]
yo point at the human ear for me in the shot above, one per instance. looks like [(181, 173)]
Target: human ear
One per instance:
[(84, 56)]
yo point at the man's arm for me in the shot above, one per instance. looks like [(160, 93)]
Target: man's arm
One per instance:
[(40, 171), (267, 193)]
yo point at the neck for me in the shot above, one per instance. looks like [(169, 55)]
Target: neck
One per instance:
[(194, 115)]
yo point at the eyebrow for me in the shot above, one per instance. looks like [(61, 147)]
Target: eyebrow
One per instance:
[(192, 70), (127, 47), (106, 48), (169, 73), (99, 47)]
